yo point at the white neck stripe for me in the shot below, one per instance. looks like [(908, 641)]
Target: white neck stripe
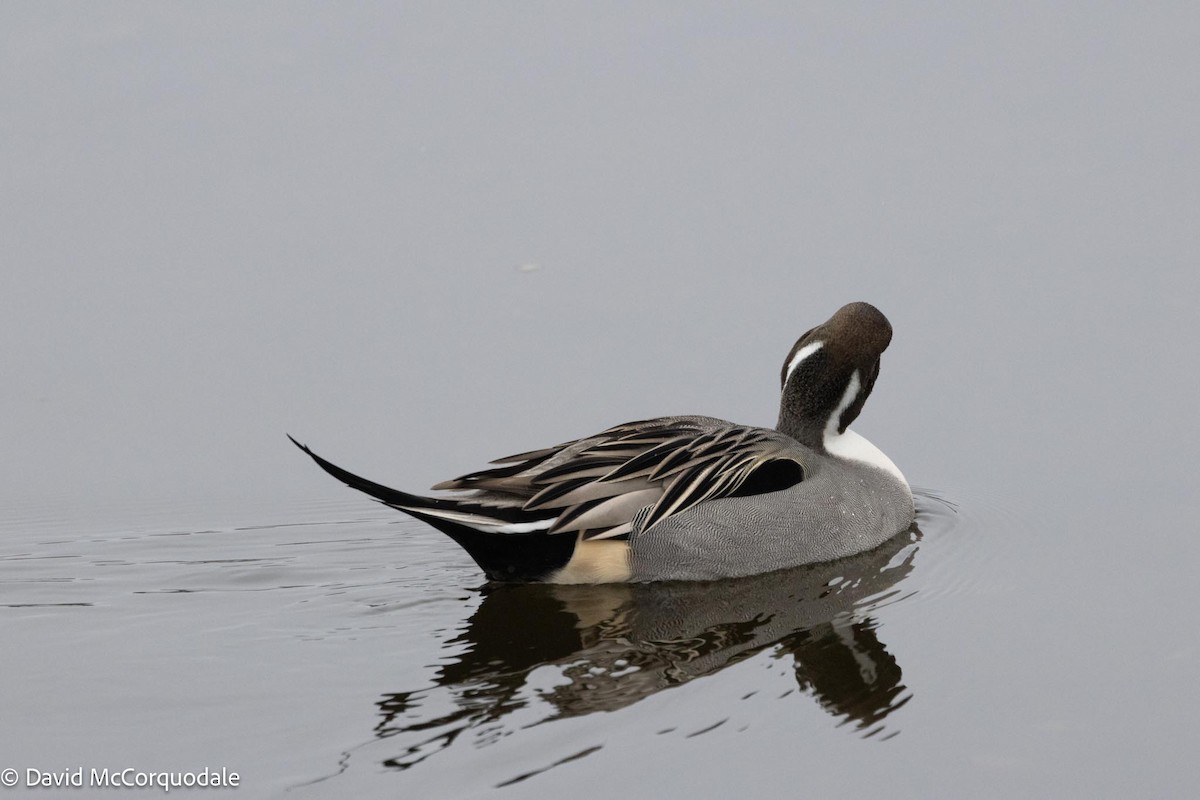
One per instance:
[(831, 426), (850, 445), (801, 354)]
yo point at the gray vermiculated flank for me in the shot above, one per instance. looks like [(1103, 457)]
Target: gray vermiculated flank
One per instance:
[(838, 510)]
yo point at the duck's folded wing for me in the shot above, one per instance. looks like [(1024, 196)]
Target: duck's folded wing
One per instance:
[(632, 477)]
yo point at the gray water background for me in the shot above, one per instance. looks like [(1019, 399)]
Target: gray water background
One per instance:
[(422, 236)]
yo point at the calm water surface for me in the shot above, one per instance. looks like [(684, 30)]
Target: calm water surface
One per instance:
[(348, 652), (410, 669)]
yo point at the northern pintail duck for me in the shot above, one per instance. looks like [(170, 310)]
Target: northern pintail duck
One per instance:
[(689, 498)]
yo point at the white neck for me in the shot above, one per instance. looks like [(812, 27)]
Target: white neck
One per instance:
[(850, 445)]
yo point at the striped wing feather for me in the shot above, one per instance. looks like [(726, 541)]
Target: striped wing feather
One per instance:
[(648, 470)]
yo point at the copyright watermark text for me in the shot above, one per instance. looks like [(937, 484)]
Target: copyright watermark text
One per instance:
[(127, 778)]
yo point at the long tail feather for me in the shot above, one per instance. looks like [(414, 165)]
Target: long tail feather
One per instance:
[(393, 497), (503, 556)]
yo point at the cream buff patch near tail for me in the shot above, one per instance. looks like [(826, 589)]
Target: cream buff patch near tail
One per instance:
[(596, 561)]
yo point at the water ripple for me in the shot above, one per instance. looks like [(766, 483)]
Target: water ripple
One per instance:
[(961, 544)]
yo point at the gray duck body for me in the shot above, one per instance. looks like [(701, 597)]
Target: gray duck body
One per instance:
[(840, 508), (689, 497)]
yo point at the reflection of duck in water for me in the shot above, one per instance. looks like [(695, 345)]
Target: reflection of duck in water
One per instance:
[(616, 644), (690, 498)]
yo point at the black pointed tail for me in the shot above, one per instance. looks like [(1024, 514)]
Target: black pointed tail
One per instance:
[(502, 556), (384, 494)]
